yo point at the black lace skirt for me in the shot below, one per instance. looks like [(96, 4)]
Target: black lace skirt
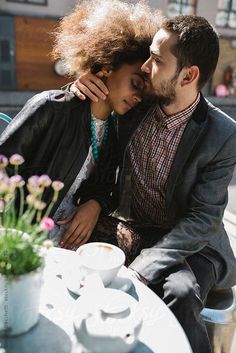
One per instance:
[(130, 236)]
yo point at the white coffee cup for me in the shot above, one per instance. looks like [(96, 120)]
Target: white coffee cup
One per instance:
[(103, 259)]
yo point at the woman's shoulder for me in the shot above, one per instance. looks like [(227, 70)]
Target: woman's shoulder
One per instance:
[(59, 96), (55, 97)]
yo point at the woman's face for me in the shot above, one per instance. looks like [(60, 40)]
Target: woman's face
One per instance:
[(126, 86)]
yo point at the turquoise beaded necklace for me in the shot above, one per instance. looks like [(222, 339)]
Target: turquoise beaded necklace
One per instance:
[(94, 138)]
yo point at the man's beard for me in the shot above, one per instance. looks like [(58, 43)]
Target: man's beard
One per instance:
[(166, 93)]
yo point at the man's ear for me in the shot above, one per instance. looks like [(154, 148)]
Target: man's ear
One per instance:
[(190, 75)]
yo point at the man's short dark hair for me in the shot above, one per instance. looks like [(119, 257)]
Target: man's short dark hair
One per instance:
[(197, 44)]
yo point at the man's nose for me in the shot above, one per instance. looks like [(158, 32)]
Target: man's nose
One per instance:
[(146, 67)]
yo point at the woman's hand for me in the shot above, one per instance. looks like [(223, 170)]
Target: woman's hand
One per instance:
[(83, 221), (90, 85)]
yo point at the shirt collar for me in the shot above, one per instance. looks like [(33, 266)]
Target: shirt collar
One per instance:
[(176, 120)]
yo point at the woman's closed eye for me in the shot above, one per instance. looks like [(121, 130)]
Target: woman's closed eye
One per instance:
[(137, 85)]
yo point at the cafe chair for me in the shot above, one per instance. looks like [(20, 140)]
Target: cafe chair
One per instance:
[(219, 315), (4, 121)]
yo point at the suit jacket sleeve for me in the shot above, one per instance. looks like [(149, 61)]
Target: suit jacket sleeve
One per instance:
[(202, 220)]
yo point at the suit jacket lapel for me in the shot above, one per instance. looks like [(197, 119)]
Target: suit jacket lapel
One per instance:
[(195, 128)]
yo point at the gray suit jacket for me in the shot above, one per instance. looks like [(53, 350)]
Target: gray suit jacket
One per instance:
[(196, 197)]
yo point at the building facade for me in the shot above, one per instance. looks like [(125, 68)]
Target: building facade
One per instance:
[(26, 28)]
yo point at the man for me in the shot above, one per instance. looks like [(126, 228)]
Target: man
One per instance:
[(180, 159)]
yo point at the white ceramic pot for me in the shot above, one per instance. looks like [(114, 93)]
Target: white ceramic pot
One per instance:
[(19, 302), (111, 322)]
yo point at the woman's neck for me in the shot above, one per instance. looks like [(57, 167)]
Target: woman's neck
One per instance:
[(100, 110)]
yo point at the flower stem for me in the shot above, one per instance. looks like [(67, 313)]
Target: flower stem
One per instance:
[(21, 189), (52, 203), (38, 217)]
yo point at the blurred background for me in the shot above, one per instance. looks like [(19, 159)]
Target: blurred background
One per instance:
[(26, 67)]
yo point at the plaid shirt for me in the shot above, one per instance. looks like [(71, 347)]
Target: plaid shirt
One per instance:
[(151, 152)]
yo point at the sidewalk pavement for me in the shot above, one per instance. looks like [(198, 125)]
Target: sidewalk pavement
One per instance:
[(230, 226)]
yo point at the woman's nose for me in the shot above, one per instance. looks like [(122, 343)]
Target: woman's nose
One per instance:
[(146, 67)]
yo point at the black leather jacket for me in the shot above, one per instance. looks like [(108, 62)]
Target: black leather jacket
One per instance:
[(52, 133)]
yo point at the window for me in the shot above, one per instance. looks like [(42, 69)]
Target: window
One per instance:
[(226, 15), (181, 7), (7, 53), (32, 2)]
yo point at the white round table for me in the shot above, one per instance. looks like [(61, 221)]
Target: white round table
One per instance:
[(160, 333)]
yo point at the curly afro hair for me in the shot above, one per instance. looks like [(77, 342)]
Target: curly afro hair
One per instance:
[(105, 33)]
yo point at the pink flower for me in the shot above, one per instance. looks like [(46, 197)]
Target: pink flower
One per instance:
[(30, 199), (44, 180), (33, 185), (33, 180), (17, 181), (47, 224), (16, 159), (57, 185), (3, 161), (39, 205), (4, 185)]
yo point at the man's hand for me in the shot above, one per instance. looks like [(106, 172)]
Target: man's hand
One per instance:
[(90, 85), (83, 221)]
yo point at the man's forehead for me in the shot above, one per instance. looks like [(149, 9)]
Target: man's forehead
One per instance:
[(162, 42)]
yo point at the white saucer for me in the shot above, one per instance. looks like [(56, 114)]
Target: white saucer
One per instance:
[(123, 281)]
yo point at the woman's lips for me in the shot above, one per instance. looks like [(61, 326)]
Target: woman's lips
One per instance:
[(130, 106)]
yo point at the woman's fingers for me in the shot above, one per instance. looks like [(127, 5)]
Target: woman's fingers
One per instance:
[(83, 221), (67, 219), (84, 240), (79, 237), (71, 235)]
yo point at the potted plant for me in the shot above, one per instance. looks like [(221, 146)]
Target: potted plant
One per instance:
[(24, 224)]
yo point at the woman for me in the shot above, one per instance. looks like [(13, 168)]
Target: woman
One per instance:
[(74, 141)]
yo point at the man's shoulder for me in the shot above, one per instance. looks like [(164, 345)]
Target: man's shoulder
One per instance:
[(220, 124), (219, 117)]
